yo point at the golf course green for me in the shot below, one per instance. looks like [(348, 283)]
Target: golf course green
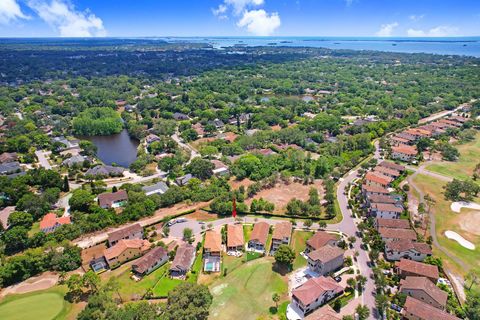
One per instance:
[(39, 306)]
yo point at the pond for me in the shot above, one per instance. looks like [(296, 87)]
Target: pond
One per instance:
[(116, 148)]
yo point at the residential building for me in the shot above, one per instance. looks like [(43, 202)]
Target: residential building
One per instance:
[(180, 116), (151, 138), (77, 159), (423, 289), (258, 237), (217, 123), (377, 180), (404, 153), (94, 258), (235, 237), (382, 198), (183, 260), (406, 267), (158, 188), (125, 250), (153, 259), (414, 309), (7, 157), (213, 243), (220, 168), (392, 173), (392, 223), (183, 180), (4, 214), (405, 136), (50, 222), (325, 260), (105, 171), (319, 240), (407, 249), (134, 231), (396, 141), (10, 168), (390, 234), (369, 190), (385, 210), (324, 313), (315, 293), (392, 165), (112, 199), (282, 233)]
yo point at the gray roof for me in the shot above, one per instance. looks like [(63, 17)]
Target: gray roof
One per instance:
[(10, 167), (104, 170), (159, 187), (75, 159), (184, 179)]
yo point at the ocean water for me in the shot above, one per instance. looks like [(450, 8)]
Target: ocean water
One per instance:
[(465, 46)]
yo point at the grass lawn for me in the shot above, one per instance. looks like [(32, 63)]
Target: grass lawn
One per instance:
[(464, 166), (35, 229), (165, 285), (246, 291), (131, 289), (299, 243), (448, 220), (40, 305)]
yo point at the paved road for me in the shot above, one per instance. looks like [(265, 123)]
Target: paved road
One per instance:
[(349, 226), (41, 156), (194, 153), (439, 115)]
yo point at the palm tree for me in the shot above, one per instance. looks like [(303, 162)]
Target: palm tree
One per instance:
[(276, 299)]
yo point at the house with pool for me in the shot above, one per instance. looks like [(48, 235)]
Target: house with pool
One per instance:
[(212, 251)]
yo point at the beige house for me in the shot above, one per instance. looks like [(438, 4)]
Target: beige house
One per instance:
[(281, 234), (235, 238), (423, 289), (320, 239), (126, 250), (325, 260)]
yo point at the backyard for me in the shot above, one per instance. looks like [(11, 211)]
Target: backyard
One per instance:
[(247, 291), (462, 168), (299, 243)]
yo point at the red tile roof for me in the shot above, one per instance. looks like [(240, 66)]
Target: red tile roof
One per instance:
[(391, 233), (213, 241), (424, 311), (392, 165), (406, 244), (386, 207), (51, 219), (108, 198), (260, 232), (282, 230), (378, 178), (150, 259), (326, 253), (320, 239), (404, 149), (314, 288), (374, 189), (393, 223), (324, 313), (235, 235), (124, 244), (418, 268), (426, 285)]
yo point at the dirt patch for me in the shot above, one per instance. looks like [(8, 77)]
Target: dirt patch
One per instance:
[(201, 215), (235, 184), (282, 193), (470, 222)]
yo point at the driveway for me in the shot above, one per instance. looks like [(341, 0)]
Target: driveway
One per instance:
[(42, 159)]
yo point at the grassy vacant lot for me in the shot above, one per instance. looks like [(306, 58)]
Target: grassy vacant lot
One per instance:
[(463, 168), (299, 243), (448, 220), (246, 291), (40, 305)]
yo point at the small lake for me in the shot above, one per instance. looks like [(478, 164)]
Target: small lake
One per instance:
[(118, 148)]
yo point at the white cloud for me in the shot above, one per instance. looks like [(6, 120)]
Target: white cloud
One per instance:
[(220, 12), (65, 19), (386, 30), (415, 17), (260, 22), (10, 11), (440, 31), (240, 5)]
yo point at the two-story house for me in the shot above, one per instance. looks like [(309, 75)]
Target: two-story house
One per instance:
[(325, 260)]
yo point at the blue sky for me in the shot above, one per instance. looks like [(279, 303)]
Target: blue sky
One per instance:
[(117, 18)]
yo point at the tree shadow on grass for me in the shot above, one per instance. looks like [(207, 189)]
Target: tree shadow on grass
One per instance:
[(281, 269)]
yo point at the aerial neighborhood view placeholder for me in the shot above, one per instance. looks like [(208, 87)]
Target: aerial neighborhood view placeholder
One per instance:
[(239, 159)]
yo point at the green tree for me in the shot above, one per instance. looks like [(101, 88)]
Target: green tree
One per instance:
[(472, 305), (200, 168), (188, 234), (362, 311), (81, 200), (276, 299), (284, 255), (66, 186), (187, 301), (19, 218)]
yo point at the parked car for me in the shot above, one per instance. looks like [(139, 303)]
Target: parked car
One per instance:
[(337, 279), (396, 307)]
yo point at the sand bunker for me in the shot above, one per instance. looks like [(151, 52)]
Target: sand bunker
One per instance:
[(457, 206), (455, 236), (470, 222)]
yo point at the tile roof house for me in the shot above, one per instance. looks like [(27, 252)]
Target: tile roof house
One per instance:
[(423, 289), (93, 258), (180, 116), (368, 190), (134, 231), (153, 259), (50, 222), (158, 188), (183, 260), (326, 259), (258, 237), (10, 168), (220, 168), (4, 214), (235, 237), (125, 250), (390, 234), (282, 233), (406, 267), (8, 157), (320, 239), (392, 223), (414, 309), (404, 153), (112, 199), (314, 293), (183, 180), (377, 179), (76, 159), (213, 243), (151, 138), (407, 249), (382, 198), (392, 173), (385, 210), (324, 313), (105, 171)]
